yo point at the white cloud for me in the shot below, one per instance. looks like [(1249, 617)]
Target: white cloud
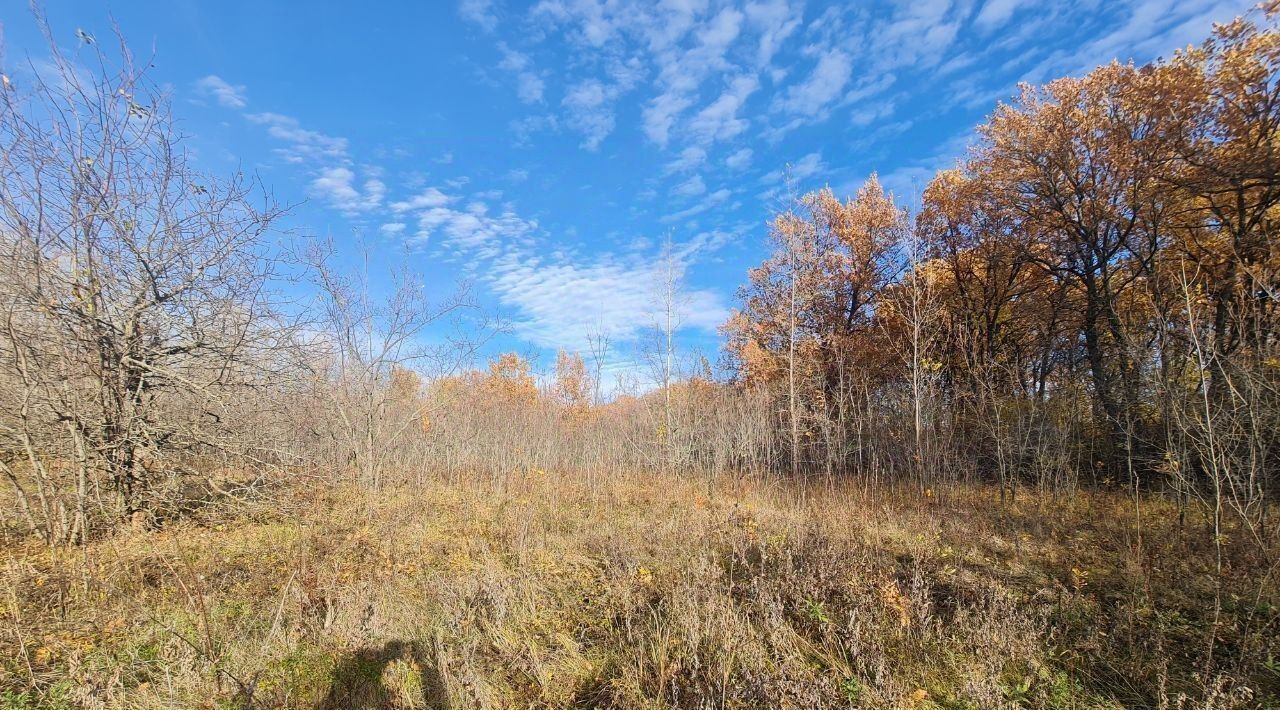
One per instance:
[(430, 197), (474, 230), (595, 26), (955, 64), (919, 34), (692, 187), (561, 302), (808, 166), (869, 114), (683, 45), (523, 129), (479, 13), (561, 298), (681, 73), (512, 60), (303, 145), (995, 13), (720, 32), (228, 95), (713, 200), (706, 242), (823, 86), (798, 170), (588, 94), (719, 121), (589, 103), (338, 186), (690, 158), (590, 112), (868, 88), (529, 86), (775, 20), (660, 116), (739, 159)]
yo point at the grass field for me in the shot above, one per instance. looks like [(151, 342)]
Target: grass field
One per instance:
[(650, 592)]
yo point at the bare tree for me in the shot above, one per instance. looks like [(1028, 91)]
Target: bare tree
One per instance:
[(134, 289), (669, 302), (913, 305), (367, 348), (598, 344)]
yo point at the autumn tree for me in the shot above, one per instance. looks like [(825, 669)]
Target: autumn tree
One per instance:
[(1223, 276), (1091, 291), (807, 310), (509, 381), (1003, 322), (1222, 100), (1068, 160), (995, 296), (573, 387)]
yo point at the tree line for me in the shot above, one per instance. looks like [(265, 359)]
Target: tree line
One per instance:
[(1090, 293), (1089, 297)]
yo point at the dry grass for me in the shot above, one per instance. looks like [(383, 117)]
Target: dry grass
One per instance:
[(644, 593)]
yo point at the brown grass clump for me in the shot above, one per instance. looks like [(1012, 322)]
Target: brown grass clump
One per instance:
[(547, 592)]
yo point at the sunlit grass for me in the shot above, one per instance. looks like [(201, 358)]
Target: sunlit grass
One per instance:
[(643, 592)]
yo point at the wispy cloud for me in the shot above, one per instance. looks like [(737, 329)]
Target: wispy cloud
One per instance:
[(558, 297), (775, 21), (427, 198), (660, 116), (689, 159), (590, 103), (302, 145), (719, 120), (590, 112), (325, 158), (824, 85), (563, 302), (801, 169), (228, 95), (995, 13), (711, 201), (338, 186), (479, 13), (739, 160), (461, 226), (867, 115), (682, 73), (692, 187), (529, 86)]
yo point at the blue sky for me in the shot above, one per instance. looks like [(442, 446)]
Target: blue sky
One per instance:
[(542, 151)]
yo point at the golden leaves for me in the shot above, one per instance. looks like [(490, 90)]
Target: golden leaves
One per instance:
[(573, 387), (812, 298), (893, 598)]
